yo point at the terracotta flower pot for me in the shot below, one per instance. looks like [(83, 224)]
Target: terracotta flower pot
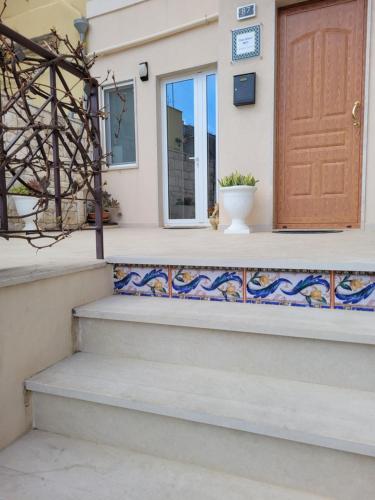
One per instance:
[(105, 216)]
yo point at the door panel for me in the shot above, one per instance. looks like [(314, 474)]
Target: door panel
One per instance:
[(189, 149), (320, 76)]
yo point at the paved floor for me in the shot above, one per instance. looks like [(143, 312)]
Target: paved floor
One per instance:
[(45, 466), (346, 250)]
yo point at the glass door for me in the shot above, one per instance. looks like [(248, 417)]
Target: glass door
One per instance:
[(189, 149)]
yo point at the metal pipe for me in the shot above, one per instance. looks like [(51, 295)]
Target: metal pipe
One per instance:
[(55, 148), (97, 168), (3, 187)]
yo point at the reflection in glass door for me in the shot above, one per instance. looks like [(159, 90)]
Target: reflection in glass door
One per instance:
[(181, 148), (211, 140), (189, 147)]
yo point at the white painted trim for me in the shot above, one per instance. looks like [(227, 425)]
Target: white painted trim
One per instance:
[(97, 8), (366, 114), (200, 148), (124, 166), (103, 131), (213, 18)]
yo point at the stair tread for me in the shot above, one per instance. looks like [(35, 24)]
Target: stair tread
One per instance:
[(300, 322), (45, 465), (315, 414)]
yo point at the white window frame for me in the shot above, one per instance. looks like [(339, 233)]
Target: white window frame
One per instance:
[(123, 83)]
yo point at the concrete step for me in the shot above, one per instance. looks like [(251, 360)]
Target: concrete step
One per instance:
[(43, 465), (308, 345), (304, 436)]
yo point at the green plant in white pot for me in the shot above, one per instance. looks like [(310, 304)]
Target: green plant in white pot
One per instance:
[(238, 198), (26, 202)]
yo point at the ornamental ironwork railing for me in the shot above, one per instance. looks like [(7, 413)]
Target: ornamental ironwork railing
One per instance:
[(49, 137)]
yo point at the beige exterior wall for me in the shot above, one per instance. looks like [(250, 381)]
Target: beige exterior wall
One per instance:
[(139, 189), (35, 18), (36, 332), (369, 142), (157, 31)]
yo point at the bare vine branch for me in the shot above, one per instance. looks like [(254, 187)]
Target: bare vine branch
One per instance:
[(35, 115)]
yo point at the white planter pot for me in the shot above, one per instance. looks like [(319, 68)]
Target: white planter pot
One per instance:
[(115, 214), (238, 202), (25, 205)]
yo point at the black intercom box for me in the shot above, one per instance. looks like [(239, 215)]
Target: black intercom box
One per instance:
[(244, 89)]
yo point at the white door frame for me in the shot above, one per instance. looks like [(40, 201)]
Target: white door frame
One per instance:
[(200, 149)]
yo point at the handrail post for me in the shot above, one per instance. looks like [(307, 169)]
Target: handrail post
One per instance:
[(55, 148), (97, 169), (3, 186)]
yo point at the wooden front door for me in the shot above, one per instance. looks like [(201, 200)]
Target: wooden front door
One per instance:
[(320, 114)]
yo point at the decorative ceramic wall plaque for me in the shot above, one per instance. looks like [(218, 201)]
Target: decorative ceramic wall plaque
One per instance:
[(246, 42)]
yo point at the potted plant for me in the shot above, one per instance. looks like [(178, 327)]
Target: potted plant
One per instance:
[(26, 201), (238, 199), (112, 205), (110, 212), (213, 216), (91, 213)]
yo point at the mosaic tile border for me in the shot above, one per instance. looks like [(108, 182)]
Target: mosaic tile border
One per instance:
[(297, 288), (354, 290)]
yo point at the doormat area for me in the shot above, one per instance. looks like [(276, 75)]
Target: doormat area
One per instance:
[(185, 227), (307, 231)]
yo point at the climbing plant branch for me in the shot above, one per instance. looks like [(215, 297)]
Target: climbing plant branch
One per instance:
[(50, 145)]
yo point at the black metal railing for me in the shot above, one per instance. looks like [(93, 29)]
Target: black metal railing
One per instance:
[(46, 143)]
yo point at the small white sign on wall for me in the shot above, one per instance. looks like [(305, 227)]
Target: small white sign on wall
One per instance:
[(246, 42)]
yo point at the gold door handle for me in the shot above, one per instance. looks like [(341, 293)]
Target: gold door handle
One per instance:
[(355, 114)]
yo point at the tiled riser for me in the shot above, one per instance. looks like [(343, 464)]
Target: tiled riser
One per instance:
[(324, 289)]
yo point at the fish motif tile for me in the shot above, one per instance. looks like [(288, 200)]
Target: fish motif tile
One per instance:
[(141, 280), (287, 287), (207, 284), (295, 288), (355, 291)]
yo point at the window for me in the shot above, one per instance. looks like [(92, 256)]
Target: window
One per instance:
[(120, 125)]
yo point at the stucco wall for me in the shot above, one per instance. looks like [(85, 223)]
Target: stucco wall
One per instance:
[(369, 142), (73, 211), (139, 189), (35, 18), (245, 135), (36, 332)]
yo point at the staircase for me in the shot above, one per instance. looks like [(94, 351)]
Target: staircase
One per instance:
[(183, 399)]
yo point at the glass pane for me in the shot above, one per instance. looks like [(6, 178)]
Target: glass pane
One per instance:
[(120, 127), (180, 134), (211, 140)]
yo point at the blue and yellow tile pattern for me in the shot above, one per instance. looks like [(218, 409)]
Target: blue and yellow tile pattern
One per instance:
[(207, 284), (141, 280), (355, 291), (289, 288), (305, 288)]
